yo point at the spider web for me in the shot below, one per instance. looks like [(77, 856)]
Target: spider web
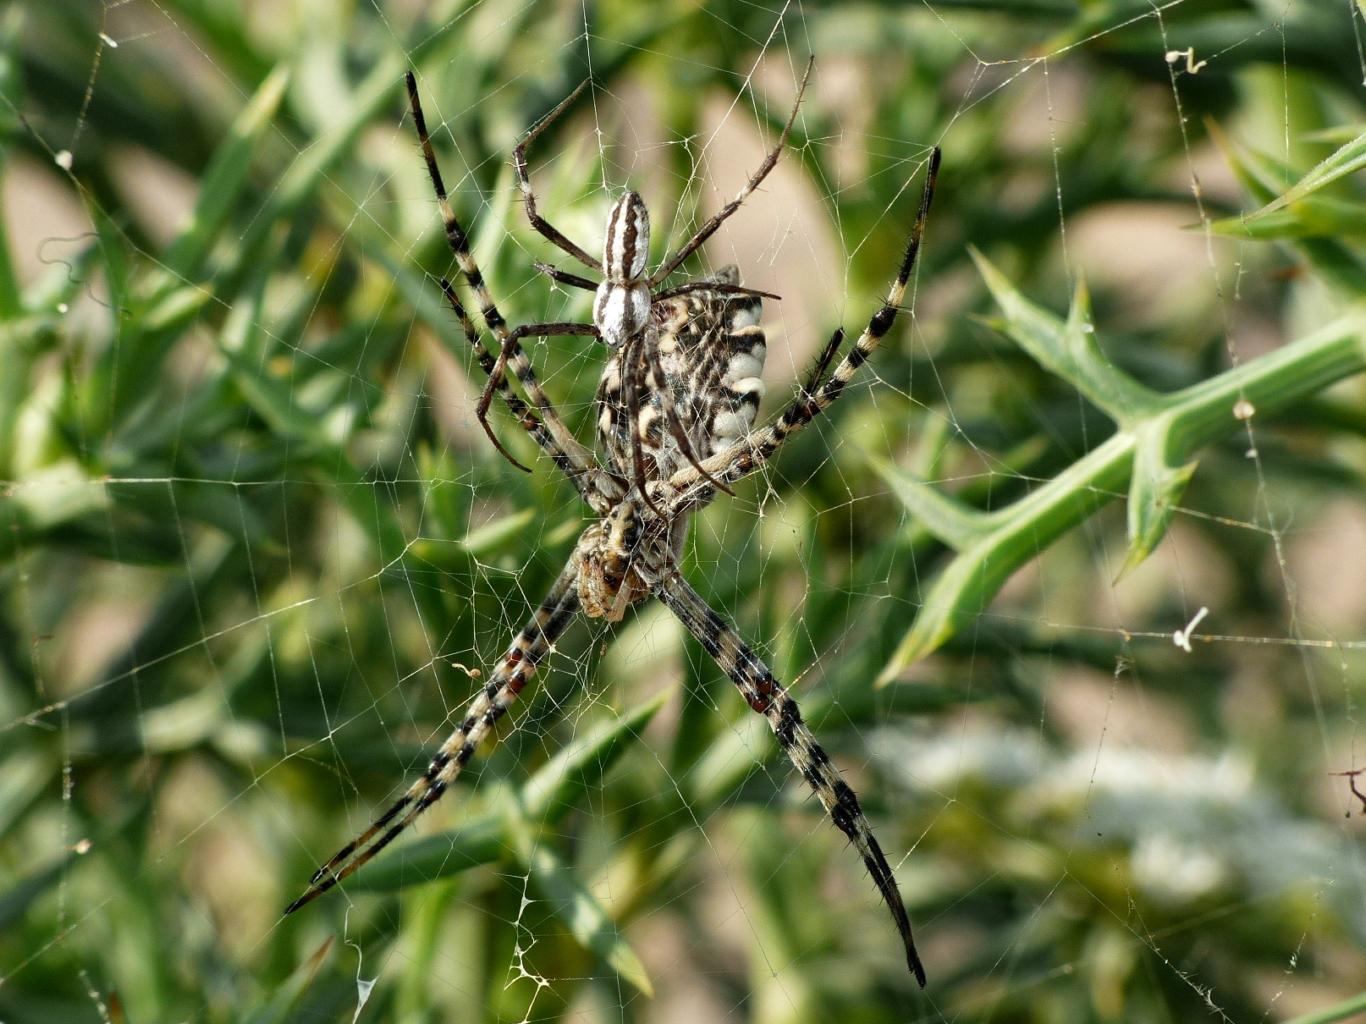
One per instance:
[(239, 616)]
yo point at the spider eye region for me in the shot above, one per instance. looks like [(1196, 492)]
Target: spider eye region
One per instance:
[(620, 311)]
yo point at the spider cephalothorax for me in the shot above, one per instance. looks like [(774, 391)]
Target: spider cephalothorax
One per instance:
[(621, 306), (676, 411), (625, 303)]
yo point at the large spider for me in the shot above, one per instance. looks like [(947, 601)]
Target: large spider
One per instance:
[(683, 378)]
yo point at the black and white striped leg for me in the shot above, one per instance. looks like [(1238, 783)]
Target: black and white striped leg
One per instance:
[(511, 350), (515, 669), (589, 478), (713, 286), (770, 698), (524, 415), (565, 277), (575, 281)]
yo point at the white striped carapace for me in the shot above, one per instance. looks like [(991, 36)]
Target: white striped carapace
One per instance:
[(622, 305)]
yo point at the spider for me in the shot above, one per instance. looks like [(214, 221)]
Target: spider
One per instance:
[(682, 380)]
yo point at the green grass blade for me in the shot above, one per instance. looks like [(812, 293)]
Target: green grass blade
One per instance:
[(284, 1002), (10, 85), (962, 592), (1263, 178), (225, 178), (24, 774), (479, 841), (498, 536), (563, 780), (1067, 348), (1344, 1010), (15, 901), (1307, 218), (1347, 159), (275, 401), (1186, 421), (1157, 485), (956, 524)]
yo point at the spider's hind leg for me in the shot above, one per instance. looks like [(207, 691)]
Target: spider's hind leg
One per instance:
[(770, 698), (532, 644), (573, 458)]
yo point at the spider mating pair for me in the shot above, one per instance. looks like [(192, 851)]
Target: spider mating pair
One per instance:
[(676, 409)]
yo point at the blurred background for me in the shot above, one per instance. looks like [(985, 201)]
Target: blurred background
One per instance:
[(256, 551)]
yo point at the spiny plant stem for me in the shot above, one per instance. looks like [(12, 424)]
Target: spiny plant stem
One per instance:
[(1150, 454)]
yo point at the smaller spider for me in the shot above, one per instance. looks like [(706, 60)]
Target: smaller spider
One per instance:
[(683, 378)]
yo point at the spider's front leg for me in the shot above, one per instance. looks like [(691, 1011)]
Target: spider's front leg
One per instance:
[(512, 674), (529, 194), (770, 698), (510, 350), (587, 477)]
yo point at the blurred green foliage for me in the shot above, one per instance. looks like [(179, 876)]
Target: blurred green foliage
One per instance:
[(253, 550)]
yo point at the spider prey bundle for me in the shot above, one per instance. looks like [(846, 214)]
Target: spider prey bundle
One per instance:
[(676, 411)]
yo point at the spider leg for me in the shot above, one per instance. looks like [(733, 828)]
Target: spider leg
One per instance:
[(575, 281), (708, 229), (530, 422), (564, 277), (770, 698), (511, 349), (529, 195), (687, 484), (588, 477), (822, 363), (710, 286), (531, 645)]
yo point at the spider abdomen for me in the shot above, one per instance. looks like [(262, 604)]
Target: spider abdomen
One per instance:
[(710, 348), (742, 387)]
